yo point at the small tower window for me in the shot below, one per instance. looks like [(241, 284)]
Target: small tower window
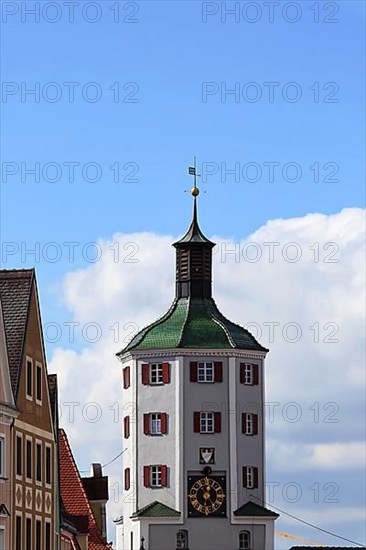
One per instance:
[(182, 540), (156, 373), (244, 540), (205, 372)]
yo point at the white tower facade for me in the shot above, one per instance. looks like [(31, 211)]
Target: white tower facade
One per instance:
[(193, 426)]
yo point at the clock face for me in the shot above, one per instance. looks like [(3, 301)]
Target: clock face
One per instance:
[(206, 496)]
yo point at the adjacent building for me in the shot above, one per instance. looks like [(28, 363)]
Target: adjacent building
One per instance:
[(193, 430)]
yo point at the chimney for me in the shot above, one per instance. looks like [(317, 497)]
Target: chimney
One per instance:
[(96, 488)]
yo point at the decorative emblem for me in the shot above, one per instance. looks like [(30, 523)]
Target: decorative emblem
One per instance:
[(207, 455), (206, 496)]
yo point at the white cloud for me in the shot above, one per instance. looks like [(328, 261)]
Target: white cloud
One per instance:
[(312, 292)]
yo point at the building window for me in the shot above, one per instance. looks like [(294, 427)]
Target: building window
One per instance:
[(2, 456), (29, 459), (19, 449), (126, 427), (38, 534), (29, 382), (48, 465), (244, 540), (249, 424), (28, 533), (127, 479), (205, 372), (155, 423), (38, 461), (39, 383), (47, 536), (155, 476), (207, 422), (249, 374), (250, 477), (18, 533), (155, 373), (126, 378), (2, 537), (182, 539)]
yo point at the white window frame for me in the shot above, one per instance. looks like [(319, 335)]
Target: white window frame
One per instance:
[(28, 438), (38, 442), (155, 424), (29, 396), (155, 476), (250, 477), (47, 446), (155, 374), (207, 420), (249, 424), (2, 456), (20, 435), (248, 374), (2, 534), (244, 544), (205, 372), (38, 366), (48, 522)]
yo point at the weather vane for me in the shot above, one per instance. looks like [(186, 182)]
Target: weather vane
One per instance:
[(192, 171)]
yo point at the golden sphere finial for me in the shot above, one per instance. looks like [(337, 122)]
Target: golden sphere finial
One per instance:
[(195, 191)]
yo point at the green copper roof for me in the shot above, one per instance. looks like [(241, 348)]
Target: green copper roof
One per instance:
[(193, 323), (156, 510)]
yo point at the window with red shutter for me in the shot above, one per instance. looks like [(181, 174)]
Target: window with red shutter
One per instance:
[(164, 476), (146, 476), (126, 422), (193, 371), (255, 375), (255, 483), (244, 423), (245, 476), (164, 423), (166, 373), (218, 371), (145, 374), (217, 422), (255, 424), (242, 373), (146, 424), (196, 422), (127, 479)]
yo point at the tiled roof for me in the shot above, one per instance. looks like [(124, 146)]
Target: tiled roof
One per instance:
[(193, 323), (75, 503), (252, 509), (15, 291), (156, 510)]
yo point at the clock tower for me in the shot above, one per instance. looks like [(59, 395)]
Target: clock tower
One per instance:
[(193, 426)]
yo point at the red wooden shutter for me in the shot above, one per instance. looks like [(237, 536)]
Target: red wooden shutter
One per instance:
[(146, 424), (197, 422), (164, 423), (126, 422), (243, 423), (255, 375), (146, 476), (193, 371), (127, 479), (164, 476), (255, 424), (242, 373), (217, 417), (128, 377), (245, 478), (255, 478), (166, 373), (145, 373), (218, 371)]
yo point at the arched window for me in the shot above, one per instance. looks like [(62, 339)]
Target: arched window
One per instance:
[(244, 540), (182, 540)]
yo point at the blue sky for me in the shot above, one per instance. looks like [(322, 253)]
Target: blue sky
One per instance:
[(165, 58)]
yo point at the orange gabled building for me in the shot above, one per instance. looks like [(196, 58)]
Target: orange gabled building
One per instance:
[(82, 503)]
